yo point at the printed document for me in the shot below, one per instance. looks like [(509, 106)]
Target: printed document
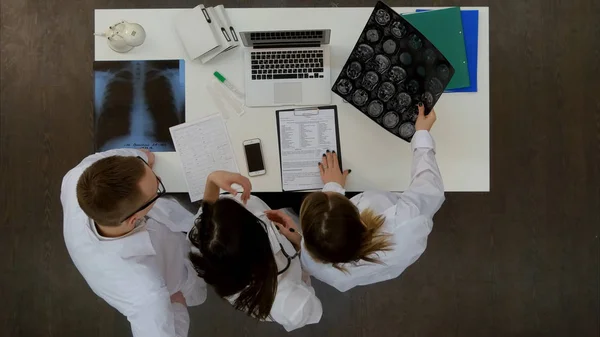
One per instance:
[(304, 136)]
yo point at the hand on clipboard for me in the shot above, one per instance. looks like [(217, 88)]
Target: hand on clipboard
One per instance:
[(304, 136), (330, 169)]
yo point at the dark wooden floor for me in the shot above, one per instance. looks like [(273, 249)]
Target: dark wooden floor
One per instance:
[(522, 260)]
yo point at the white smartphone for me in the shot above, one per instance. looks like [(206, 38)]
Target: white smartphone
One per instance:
[(254, 157)]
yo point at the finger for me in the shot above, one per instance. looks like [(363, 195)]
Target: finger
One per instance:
[(279, 223), (284, 216), (329, 159), (321, 169), (273, 216), (231, 190), (336, 163), (245, 196), (432, 115), (324, 161), (246, 184), (247, 188), (273, 212), (346, 173), (421, 110)]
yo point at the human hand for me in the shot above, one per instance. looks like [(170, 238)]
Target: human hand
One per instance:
[(330, 169), (150, 156), (286, 226), (224, 180), (178, 298), (425, 122)]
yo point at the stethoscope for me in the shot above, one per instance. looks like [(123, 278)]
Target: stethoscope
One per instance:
[(287, 256)]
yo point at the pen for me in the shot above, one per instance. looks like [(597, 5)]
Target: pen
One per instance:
[(228, 84)]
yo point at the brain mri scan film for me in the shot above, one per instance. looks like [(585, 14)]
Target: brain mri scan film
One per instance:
[(391, 119), (354, 70), (375, 108), (390, 70)]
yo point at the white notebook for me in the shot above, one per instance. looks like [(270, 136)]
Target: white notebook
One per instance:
[(194, 29), (221, 33), (227, 26), (203, 147)]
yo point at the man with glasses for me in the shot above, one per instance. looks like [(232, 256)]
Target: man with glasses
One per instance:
[(128, 241)]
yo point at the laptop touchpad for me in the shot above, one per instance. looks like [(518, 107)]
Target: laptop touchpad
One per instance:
[(289, 92)]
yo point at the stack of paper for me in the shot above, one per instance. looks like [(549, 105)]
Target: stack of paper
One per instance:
[(206, 32)]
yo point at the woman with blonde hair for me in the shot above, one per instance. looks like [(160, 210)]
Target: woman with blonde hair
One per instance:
[(374, 236)]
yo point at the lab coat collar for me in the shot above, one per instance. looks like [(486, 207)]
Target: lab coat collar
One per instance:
[(131, 245), (170, 213), (166, 212)]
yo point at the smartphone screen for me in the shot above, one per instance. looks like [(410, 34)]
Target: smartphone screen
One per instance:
[(254, 157)]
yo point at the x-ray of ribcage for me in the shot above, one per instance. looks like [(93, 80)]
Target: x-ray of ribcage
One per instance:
[(136, 102)]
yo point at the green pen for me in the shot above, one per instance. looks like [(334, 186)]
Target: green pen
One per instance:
[(228, 84)]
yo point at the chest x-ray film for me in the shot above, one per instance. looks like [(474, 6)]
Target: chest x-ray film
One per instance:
[(136, 102)]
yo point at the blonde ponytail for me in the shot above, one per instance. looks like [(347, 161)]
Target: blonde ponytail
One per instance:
[(336, 232), (374, 240)]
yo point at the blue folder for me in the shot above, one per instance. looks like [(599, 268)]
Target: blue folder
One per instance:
[(470, 21)]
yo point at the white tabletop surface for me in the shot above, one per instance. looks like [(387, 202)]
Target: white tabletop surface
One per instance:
[(378, 159)]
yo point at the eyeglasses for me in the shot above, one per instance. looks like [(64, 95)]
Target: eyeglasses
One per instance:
[(287, 256), (159, 193)]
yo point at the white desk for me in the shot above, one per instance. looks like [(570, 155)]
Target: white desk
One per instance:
[(378, 159)]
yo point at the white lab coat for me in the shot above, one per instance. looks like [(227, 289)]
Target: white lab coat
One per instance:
[(408, 218), (295, 304), (136, 273)]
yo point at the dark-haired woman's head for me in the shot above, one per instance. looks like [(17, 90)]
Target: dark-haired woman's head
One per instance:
[(235, 256), (336, 232)]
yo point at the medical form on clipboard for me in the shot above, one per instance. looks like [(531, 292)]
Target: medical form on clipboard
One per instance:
[(304, 135)]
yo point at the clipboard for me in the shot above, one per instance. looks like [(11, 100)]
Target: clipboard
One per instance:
[(300, 112)]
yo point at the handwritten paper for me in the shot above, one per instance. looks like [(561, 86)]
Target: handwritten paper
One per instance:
[(203, 147)]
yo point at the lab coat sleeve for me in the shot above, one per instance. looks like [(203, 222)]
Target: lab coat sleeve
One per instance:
[(334, 187), (426, 189), (158, 317), (296, 305)]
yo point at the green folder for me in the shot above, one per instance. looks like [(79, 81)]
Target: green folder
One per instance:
[(443, 28)]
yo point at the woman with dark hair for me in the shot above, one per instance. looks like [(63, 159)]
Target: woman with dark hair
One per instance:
[(247, 260), (376, 235)]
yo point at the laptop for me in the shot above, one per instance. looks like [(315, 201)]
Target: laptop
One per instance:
[(289, 67)]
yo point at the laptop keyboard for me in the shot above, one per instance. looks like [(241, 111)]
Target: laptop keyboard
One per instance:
[(287, 35), (287, 64)]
